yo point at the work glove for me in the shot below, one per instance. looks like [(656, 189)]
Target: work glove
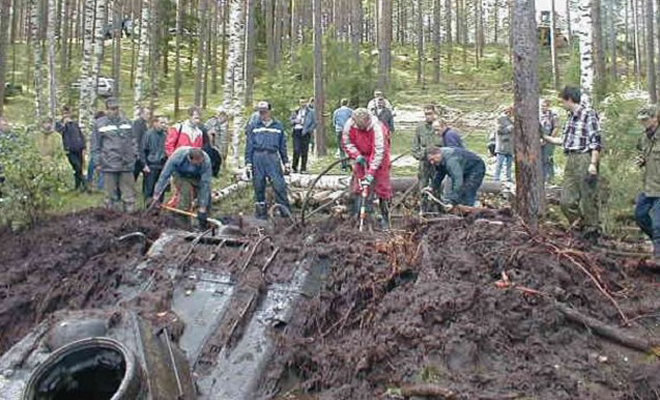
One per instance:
[(367, 181), (361, 161), (248, 172), (203, 218)]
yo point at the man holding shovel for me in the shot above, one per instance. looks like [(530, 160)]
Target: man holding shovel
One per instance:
[(192, 171), (367, 141)]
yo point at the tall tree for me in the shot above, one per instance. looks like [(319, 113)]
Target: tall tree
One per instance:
[(319, 90), (650, 52), (356, 29), (599, 47), (448, 38), (638, 56), (569, 27), (86, 114), (51, 54), (143, 54), (586, 34), (437, 35), (553, 45), (250, 50), (177, 57), (101, 22), (420, 41), (117, 33), (384, 43), (5, 6), (234, 85), (613, 13), (36, 20), (529, 176), (201, 52)]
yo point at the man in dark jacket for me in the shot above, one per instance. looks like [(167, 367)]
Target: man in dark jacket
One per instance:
[(140, 127), (153, 156), (116, 149), (466, 169), (384, 114), (73, 142), (303, 121), (264, 155)]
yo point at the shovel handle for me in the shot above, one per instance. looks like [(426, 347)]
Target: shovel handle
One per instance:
[(177, 211)]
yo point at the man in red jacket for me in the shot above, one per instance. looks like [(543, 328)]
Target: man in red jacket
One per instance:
[(367, 141), (187, 133)]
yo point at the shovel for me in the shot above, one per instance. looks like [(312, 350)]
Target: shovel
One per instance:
[(191, 214), (363, 206)]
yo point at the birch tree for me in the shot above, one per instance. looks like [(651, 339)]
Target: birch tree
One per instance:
[(319, 90), (36, 18), (52, 67), (143, 53), (529, 176), (234, 85), (101, 16), (86, 114), (553, 46), (586, 34)]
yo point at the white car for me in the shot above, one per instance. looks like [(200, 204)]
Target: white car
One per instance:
[(104, 88)]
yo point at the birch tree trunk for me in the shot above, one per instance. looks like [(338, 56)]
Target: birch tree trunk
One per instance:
[(319, 90), (650, 52), (157, 24), (52, 64), (586, 33), (569, 25), (553, 46), (436, 41), (86, 114), (384, 43), (201, 39), (116, 56), (143, 53), (250, 50), (36, 17), (530, 195), (5, 6), (101, 19), (234, 85)]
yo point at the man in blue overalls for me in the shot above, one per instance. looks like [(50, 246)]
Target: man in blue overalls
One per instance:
[(264, 155)]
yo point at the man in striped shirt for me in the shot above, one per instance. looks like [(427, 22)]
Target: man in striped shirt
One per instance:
[(582, 144)]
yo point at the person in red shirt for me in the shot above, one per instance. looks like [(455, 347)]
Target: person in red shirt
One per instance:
[(187, 133), (366, 140)]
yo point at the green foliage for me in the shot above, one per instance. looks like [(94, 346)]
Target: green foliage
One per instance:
[(572, 75), (622, 178), (31, 180)]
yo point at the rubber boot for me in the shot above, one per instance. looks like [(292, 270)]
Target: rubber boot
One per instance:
[(261, 211), (384, 214)]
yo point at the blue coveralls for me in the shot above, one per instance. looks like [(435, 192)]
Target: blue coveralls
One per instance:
[(266, 152)]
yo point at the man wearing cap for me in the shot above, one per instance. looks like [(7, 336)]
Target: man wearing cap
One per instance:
[(265, 153), (367, 141), (582, 145), (217, 129), (647, 210), (373, 103), (116, 149), (303, 121)]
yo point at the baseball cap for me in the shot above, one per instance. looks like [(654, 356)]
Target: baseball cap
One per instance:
[(647, 112), (263, 106)]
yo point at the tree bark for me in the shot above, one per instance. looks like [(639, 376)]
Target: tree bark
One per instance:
[(157, 22), (52, 62), (437, 35), (553, 46), (638, 56), (530, 196), (569, 28), (116, 58), (356, 29), (614, 12), (319, 90), (234, 84), (143, 52), (201, 43), (5, 6), (250, 51), (86, 114), (385, 43), (101, 21), (599, 49), (650, 52), (448, 39), (177, 57), (586, 52), (420, 41), (37, 21)]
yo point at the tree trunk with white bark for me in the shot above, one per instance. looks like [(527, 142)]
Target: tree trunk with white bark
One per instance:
[(586, 35), (139, 89)]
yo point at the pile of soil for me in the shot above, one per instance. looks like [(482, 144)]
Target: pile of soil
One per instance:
[(469, 306), (68, 262)]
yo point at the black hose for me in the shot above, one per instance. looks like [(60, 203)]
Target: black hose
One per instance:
[(309, 191)]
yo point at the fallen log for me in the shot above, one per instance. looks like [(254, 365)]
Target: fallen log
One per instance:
[(607, 331), (428, 390)]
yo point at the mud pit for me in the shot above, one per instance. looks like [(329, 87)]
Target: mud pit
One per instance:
[(420, 305)]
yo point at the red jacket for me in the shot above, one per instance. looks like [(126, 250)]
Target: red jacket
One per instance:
[(184, 134), (374, 144)]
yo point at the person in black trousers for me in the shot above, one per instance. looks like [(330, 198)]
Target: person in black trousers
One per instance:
[(303, 121), (153, 156), (73, 142)]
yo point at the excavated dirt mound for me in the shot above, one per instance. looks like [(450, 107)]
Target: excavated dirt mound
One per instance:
[(470, 307), (73, 262)]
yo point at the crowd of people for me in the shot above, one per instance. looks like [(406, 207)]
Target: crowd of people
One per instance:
[(185, 156)]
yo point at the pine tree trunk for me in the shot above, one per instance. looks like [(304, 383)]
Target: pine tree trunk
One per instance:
[(529, 177), (477, 51), (5, 6), (614, 12), (384, 43), (234, 85), (638, 56), (496, 22), (599, 49), (650, 55), (177, 57), (86, 114), (295, 28), (66, 33), (156, 23), (437, 34), (319, 90), (448, 39), (586, 34), (356, 29), (626, 46), (270, 37), (116, 58), (553, 46), (37, 21), (250, 51), (214, 48), (101, 21), (143, 53), (420, 41), (52, 64), (201, 47)]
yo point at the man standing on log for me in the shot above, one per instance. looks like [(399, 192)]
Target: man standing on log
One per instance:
[(582, 144), (264, 155), (116, 149), (647, 210), (367, 141), (466, 170)]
